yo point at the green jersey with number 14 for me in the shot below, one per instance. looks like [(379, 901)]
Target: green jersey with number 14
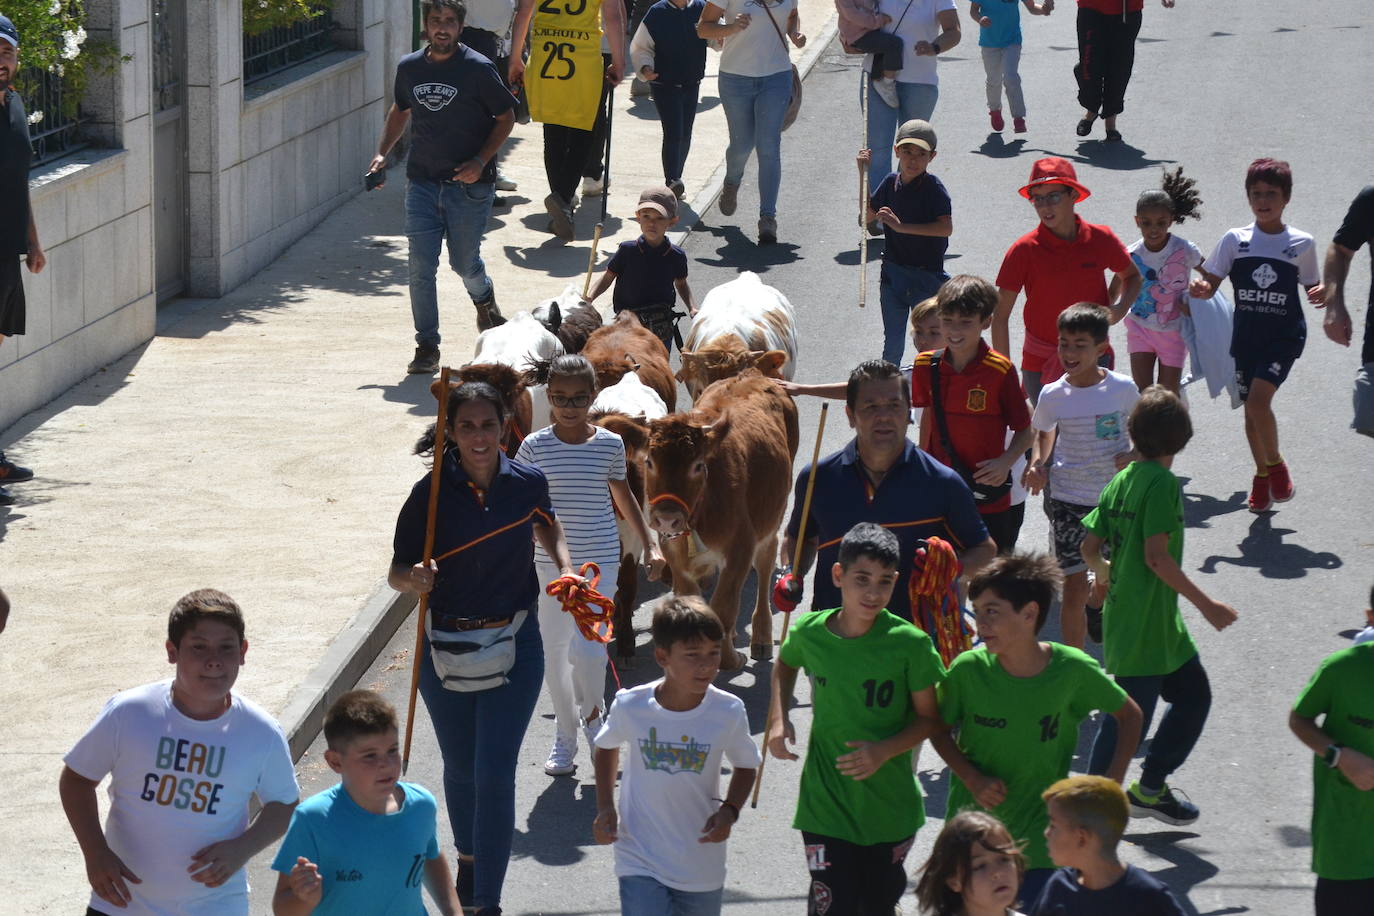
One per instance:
[(860, 691)]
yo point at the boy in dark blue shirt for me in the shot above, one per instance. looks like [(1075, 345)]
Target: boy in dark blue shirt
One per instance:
[(650, 272), (668, 54), (914, 209)]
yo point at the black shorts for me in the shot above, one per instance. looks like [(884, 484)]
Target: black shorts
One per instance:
[(1273, 371), (11, 298), (852, 880), (1344, 898), (1005, 527), (1067, 533)]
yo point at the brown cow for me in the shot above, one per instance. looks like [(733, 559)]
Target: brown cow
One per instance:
[(718, 479), (625, 345), (726, 357)]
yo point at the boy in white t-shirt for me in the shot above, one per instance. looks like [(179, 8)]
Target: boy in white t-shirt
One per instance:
[(1080, 420), (670, 834), (184, 757)]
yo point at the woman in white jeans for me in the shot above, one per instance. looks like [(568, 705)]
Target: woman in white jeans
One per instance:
[(585, 467)]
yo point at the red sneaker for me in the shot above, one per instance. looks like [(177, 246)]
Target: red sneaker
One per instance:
[(1280, 483), (996, 117), (1261, 500), (1019, 124)]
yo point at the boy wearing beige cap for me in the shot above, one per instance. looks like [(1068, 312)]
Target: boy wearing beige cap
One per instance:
[(650, 272), (913, 208)]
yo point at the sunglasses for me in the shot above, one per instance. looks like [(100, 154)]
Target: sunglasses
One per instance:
[(581, 400), (1051, 199)]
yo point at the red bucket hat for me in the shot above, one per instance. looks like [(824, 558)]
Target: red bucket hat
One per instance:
[(1054, 170)]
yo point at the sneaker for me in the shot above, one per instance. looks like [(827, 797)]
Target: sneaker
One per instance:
[(488, 314), (1261, 498), (678, 188), (593, 187), (887, 91), (1094, 615), (1018, 125), (13, 473), (504, 183), (1166, 806), (560, 216), (426, 361), (768, 230), (729, 199), (640, 89), (1280, 482), (464, 884), (560, 762), (995, 116), (6, 497)]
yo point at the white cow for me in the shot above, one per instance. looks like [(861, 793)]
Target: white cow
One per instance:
[(518, 343), (741, 324), (631, 397)]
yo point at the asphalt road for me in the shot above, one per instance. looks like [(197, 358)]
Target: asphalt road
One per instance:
[(1216, 85)]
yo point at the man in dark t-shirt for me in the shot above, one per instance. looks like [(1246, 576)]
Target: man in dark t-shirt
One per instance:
[(18, 234), (461, 112), (1356, 229)]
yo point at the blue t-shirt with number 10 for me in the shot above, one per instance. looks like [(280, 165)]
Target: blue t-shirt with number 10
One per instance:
[(370, 863)]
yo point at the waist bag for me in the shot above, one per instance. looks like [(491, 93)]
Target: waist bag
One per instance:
[(471, 660)]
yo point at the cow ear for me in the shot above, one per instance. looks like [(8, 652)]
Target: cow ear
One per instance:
[(555, 319), (770, 363), (634, 432), (717, 431)]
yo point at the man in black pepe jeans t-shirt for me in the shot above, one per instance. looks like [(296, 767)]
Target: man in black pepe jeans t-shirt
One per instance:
[(461, 113), (1356, 229), (18, 234)]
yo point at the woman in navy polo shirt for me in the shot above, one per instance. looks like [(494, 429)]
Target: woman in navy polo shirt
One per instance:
[(490, 509)]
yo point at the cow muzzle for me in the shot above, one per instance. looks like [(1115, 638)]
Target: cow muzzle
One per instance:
[(670, 515)]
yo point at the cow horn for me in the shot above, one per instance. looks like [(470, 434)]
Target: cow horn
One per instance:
[(633, 364)]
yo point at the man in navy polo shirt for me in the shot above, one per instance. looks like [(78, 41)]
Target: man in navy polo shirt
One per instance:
[(882, 477)]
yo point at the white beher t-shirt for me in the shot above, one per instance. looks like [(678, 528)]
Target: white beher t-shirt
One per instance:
[(578, 489), (913, 21), (176, 786), (671, 773), (1092, 430), (756, 51)]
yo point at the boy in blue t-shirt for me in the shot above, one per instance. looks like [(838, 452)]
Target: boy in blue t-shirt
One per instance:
[(913, 208), (999, 38), (367, 844), (1267, 261)]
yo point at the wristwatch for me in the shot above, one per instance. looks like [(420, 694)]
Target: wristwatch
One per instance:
[(1332, 756), (936, 45)]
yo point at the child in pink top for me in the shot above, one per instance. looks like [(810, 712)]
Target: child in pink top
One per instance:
[(861, 29)]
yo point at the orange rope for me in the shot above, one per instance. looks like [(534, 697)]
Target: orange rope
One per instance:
[(934, 594), (578, 599)]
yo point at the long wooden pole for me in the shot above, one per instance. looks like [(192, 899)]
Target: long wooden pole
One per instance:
[(863, 193), (605, 195), (435, 475), (796, 571)]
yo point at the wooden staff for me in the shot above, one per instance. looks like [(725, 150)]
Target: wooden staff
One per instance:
[(796, 570), (435, 474), (863, 192), (605, 194)]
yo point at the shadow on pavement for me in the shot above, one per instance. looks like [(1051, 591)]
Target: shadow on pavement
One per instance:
[(411, 390), (850, 256), (994, 147), (1200, 508), (559, 824), (741, 251), (1120, 156), (1264, 549), (1294, 837), (1186, 868)]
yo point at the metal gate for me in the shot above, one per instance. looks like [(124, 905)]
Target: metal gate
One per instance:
[(169, 147)]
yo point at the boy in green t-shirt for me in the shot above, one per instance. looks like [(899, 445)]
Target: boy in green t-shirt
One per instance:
[(1017, 703), (873, 679), (1145, 642), (1342, 690)]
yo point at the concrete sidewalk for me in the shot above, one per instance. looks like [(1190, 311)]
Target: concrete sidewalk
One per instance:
[(260, 444)]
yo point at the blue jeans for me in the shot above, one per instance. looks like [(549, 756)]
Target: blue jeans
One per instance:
[(899, 290), (641, 895), (918, 101), (479, 737), (1189, 695), (435, 210), (754, 109), (677, 111)]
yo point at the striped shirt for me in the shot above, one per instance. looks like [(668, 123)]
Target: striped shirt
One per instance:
[(579, 477)]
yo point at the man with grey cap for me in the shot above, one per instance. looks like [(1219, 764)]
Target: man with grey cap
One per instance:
[(18, 234), (651, 272), (913, 208)]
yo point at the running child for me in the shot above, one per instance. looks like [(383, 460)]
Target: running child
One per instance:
[(650, 272), (974, 869), (1341, 691), (585, 467), (914, 209), (367, 844), (1266, 261), (861, 29), (1080, 443), (1017, 703), (1146, 645), (668, 54), (999, 38), (975, 418), (185, 757), (1087, 816), (873, 679), (670, 831), (1165, 261)]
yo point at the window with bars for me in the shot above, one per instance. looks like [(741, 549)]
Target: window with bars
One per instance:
[(55, 124), (284, 47)]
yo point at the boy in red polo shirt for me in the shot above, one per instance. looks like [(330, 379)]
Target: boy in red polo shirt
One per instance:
[(1059, 263), (980, 399)]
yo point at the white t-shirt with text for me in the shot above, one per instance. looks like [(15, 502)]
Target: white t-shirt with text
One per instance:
[(177, 785), (1092, 430)]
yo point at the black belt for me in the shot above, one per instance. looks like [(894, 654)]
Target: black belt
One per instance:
[(454, 622)]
